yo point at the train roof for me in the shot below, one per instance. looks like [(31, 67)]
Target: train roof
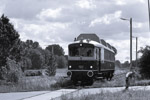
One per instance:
[(94, 39), (94, 43), (92, 36)]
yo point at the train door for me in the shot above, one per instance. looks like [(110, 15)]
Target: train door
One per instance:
[(99, 59)]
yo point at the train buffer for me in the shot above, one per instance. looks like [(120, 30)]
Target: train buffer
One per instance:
[(99, 78)]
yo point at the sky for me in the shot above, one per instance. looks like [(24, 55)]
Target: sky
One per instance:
[(60, 21)]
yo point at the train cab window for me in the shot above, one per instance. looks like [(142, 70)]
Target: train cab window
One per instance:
[(89, 52), (74, 51), (86, 52), (81, 51)]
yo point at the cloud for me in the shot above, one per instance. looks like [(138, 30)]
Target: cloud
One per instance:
[(120, 2), (86, 4), (137, 25), (106, 19), (49, 13)]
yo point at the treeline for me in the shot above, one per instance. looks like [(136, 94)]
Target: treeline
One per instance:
[(143, 63), (16, 56)]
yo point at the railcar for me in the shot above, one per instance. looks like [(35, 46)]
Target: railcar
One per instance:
[(90, 58)]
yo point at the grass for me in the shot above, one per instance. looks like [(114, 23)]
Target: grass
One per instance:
[(117, 81), (36, 83), (128, 95), (41, 83)]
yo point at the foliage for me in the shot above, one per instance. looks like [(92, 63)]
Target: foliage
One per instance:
[(13, 71), (26, 63), (56, 49), (51, 66), (9, 43), (32, 55), (126, 64), (61, 62), (144, 63), (36, 59), (33, 72), (118, 64)]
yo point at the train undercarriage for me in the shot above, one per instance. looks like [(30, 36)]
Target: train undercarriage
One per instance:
[(88, 77)]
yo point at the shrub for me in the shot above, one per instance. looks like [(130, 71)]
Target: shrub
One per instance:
[(13, 71), (13, 77), (33, 73)]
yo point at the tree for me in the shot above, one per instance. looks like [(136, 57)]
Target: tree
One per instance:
[(32, 55), (31, 44), (61, 62), (9, 42), (118, 64), (36, 59), (126, 64), (144, 62), (51, 65), (57, 50)]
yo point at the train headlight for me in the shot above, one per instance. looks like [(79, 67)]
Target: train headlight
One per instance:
[(70, 66), (91, 67)]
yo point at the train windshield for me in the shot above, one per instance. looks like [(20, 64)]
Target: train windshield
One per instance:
[(85, 51)]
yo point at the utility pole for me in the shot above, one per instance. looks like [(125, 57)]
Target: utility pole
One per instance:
[(130, 43), (136, 50), (130, 40)]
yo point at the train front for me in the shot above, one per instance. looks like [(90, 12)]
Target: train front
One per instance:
[(81, 62)]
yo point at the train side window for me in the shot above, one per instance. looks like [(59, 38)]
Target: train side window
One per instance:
[(96, 53), (100, 54)]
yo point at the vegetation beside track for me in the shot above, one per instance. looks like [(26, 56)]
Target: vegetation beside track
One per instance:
[(41, 83)]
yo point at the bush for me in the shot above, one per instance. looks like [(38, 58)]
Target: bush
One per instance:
[(33, 73), (13, 71), (13, 77), (3, 73)]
